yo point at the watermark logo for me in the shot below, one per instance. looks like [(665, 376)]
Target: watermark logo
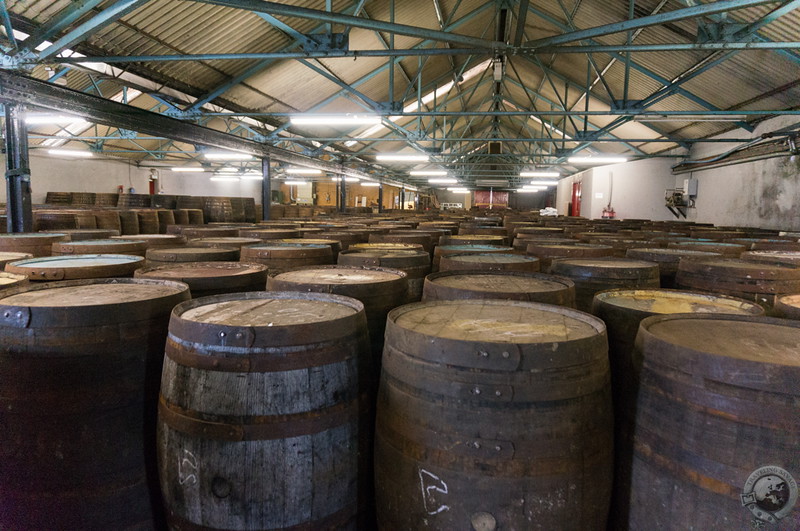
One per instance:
[(770, 493)]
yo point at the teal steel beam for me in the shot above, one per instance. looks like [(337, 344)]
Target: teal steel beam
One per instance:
[(560, 112), (65, 18), (671, 47), (83, 31), (6, 18), (276, 9), (712, 8)]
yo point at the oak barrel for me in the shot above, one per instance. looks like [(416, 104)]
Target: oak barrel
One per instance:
[(223, 241), (593, 275), (287, 256), (34, 243), (622, 310), (210, 278), (263, 234), (155, 240), (445, 249), (205, 231), (286, 460), (79, 369), (111, 246), (668, 260), (546, 253), (415, 263), (773, 257), (489, 262), (716, 425), (481, 427), (128, 222), (148, 221), (788, 307), (170, 255), (76, 235), (12, 257), (10, 280), (76, 266), (507, 285)]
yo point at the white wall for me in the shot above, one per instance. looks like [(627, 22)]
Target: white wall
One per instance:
[(763, 193), (636, 189), (62, 174)]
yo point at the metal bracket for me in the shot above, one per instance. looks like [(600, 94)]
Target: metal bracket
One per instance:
[(23, 61), (180, 114), (390, 107), (127, 134), (585, 137), (416, 136), (721, 32), (563, 152), (627, 106), (324, 42)]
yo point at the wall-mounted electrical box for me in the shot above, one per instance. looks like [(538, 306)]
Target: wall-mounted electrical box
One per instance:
[(690, 187)]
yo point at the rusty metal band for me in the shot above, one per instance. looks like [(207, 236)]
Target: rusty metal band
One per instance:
[(257, 427), (335, 352), (333, 521)]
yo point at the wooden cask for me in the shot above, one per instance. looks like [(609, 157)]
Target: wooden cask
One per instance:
[(546, 253), (716, 425), (111, 246), (86, 234), (489, 262), (210, 278), (108, 219), (33, 243), (170, 255), (106, 199), (622, 310), (148, 221), (135, 201), (474, 239), (668, 260), (196, 216), (415, 263), (11, 280), (223, 241), (288, 460), (442, 250), (152, 241), (76, 266), (280, 257), (593, 275), (217, 209), (335, 245), (128, 222), (346, 239), (80, 363), (52, 220), (773, 257), (753, 281), (165, 218), (481, 427), (269, 234), (6, 257), (788, 307), (405, 236), (729, 250), (209, 232), (181, 216), (507, 285)]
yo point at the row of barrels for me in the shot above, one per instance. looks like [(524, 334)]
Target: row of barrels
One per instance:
[(470, 430)]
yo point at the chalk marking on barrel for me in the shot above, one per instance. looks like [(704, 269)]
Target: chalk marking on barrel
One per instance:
[(428, 491), (185, 464)]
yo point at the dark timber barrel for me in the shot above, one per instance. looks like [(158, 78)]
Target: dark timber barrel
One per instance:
[(717, 425), (192, 233), (224, 241), (729, 250), (546, 253), (131, 247), (335, 245), (508, 285), (11, 280), (493, 415), (153, 241), (148, 221), (88, 234), (622, 310), (77, 266), (264, 235), (489, 262), (12, 257), (34, 243), (773, 257), (128, 222), (416, 263), (474, 239), (80, 363), (788, 307), (281, 257), (759, 282), (593, 275), (171, 255), (380, 289), (443, 250), (210, 278), (668, 260), (286, 460)]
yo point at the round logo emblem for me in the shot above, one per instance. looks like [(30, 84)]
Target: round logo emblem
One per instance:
[(770, 493)]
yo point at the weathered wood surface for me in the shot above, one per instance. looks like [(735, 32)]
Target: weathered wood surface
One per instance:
[(415, 263), (489, 262), (211, 278), (281, 257), (168, 255), (493, 415), (508, 285), (156, 240), (262, 411), (668, 260), (110, 246), (33, 243), (79, 266), (546, 253)]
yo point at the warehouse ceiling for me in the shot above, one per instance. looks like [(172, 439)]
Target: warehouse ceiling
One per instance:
[(483, 90)]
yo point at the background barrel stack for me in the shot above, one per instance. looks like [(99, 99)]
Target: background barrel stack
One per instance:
[(447, 342)]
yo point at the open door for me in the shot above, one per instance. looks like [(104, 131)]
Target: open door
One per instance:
[(576, 198)]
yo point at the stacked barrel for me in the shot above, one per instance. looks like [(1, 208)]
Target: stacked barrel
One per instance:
[(398, 371)]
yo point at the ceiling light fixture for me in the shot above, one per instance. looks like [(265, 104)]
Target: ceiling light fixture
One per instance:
[(544, 183), (71, 153), (539, 174), (225, 179), (690, 118), (370, 184), (427, 173), (597, 160), (227, 156), (398, 157), (336, 120), (252, 176), (52, 119), (443, 181), (295, 183), (187, 169), (528, 190)]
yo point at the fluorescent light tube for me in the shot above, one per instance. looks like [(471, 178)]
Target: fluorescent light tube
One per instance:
[(428, 173), (187, 169), (295, 183), (227, 156), (396, 157), (303, 171), (334, 120), (52, 119), (539, 174), (596, 160), (443, 181), (370, 184), (71, 153), (544, 183), (225, 179)]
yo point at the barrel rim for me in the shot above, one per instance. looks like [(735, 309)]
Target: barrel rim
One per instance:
[(605, 297)]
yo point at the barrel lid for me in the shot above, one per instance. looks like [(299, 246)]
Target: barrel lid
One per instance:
[(108, 242), (499, 282), (588, 264), (492, 258), (665, 301), (379, 245), (571, 246), (222, 240), (478, 248), (341, 275), (7, 256), (191, 254), (91, 293), (786, 257), (194, 270), (144, 237), (268, 312), (486, 237), (34, 236), (669, 254), (487, 321), (307, 241), (766, 341), (740, 268), (76, 261), (386, 253), (7, 278), (279, 245)]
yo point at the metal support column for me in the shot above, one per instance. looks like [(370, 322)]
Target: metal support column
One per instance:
[(402, 199), (18, 172), (266, 189), (380, 199), (342, 194)]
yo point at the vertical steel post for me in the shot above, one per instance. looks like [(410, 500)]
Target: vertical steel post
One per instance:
[(342, 194), (266, 189), (18, 172), (380, 199), (402, 199)]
